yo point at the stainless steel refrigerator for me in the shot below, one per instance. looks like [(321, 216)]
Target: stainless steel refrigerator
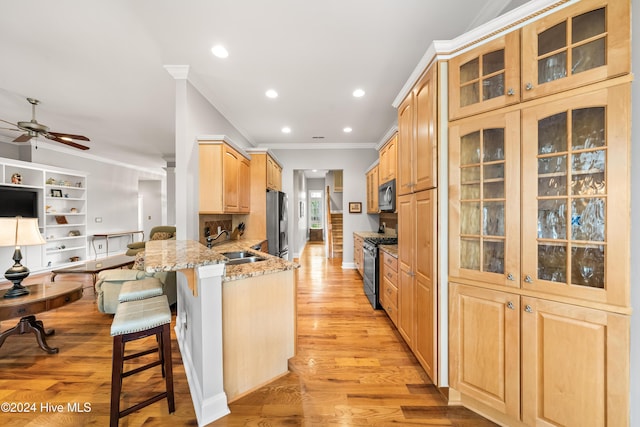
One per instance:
[(277, 223)]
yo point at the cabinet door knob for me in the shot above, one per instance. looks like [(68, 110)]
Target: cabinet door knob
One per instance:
[(510, 305), (528, 308), (510, 277), (528, 86), (511, 92), (528, 279)]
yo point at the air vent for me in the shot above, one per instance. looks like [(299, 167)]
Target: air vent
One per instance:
[(317, 137)]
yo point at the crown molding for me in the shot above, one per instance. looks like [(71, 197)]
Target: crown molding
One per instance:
[(497, 27), (178, 72), (387, 136), (218, 139), (320, 146)]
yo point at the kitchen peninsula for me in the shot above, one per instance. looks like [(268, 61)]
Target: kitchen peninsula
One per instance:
[(235, 324)]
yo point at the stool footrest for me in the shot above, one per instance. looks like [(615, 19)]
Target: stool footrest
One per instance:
[(141, 405), (142, 353), (141, 368)]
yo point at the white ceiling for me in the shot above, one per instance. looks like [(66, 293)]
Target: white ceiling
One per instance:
[(97, 66)]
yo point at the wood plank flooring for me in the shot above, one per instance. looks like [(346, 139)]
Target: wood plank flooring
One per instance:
[(351, 369)]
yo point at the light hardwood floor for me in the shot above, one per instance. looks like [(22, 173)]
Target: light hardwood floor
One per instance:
[(351, 369)]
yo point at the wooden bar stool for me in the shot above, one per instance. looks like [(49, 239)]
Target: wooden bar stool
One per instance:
[(135, 320)]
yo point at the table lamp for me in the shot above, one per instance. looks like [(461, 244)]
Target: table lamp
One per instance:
[(18, 232)]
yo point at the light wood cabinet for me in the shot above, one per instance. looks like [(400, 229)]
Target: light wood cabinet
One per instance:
[(388, 159), (337, 181), (485, 78), (574, 365), (579, 45), (224, 179), (358, 254), (274, 174), (372, 190), (417, 276), (484, 342), (389, 285), (417, 136)]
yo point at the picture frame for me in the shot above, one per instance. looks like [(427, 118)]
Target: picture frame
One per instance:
[(355, 207), (56, 192)]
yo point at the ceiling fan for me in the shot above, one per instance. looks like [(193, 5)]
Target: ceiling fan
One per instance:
[(33, 128)]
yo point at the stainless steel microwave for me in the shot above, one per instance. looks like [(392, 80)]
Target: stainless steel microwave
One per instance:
[(387, 196)]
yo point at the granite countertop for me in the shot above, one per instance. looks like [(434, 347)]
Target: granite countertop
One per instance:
[(172, 255), (390, 249), (366, 234)]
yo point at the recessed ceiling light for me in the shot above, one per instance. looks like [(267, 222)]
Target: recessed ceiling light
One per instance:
[(219, 51), (286, 129), (347, 129), (271, 93), (358, 93)]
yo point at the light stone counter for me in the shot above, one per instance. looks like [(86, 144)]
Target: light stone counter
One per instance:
[(272, 264)]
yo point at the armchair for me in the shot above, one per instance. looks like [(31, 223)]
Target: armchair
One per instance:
[(110, 281), (160, 232)]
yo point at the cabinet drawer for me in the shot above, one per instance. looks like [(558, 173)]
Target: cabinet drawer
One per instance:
[(390, 275), (390, 292), (64, 299), (22, 311), (390, 262)]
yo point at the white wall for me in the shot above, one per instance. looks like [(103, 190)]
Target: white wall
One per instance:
[(153, 200), (298, 239), (354, 163)]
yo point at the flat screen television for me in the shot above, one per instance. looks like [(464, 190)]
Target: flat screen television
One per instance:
[(18, 202)]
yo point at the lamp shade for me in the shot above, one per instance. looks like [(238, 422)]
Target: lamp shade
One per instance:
[(18, 231)]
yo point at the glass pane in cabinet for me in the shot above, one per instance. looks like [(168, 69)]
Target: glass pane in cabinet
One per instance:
[(588, 219), (588, 129), (552, 68), (493, 87), (494, 171), (552, 186), (493, 189), (469, 94), (470, 254), (552, 219), (587, 266), (470, 218), (470, 149), (552, 165), (552, 263), (588, 25), (493, 141), (590, 184), (552, 134), (493, 62), (493, 257), (470, 191), (493, 219), (588, 56), (470, 71), (470, 175), (552, 39)]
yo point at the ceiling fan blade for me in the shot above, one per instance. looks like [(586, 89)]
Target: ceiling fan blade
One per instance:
[(17, 130), (9, 123), (53, 137), (68, 135), (23, 138)]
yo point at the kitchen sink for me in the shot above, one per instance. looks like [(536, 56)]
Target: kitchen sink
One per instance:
[(238, 254), (244, 260)]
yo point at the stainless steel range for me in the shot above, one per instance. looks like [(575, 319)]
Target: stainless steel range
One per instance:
[(371, 267)]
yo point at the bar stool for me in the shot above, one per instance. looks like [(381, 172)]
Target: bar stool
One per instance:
[(135, 320)]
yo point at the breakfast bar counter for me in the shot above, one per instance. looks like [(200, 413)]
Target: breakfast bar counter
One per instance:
[(227, 346)]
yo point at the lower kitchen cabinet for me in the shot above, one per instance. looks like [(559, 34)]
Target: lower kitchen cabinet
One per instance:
[(389, 285), (358, 255), (567, 364)]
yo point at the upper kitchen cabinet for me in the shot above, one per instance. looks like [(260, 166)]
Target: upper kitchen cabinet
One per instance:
[(417, 136), (485, 78), (372, 189), (575, 206), (388, 160), (274, 174), (224, 179), (581, 44), (484, 199)]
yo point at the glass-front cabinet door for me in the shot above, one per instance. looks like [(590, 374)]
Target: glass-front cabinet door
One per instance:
[(582, 44), (484, 194), (575, 196), (485, 78)]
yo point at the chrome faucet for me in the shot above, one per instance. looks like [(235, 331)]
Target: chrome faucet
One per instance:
[(210, 239)]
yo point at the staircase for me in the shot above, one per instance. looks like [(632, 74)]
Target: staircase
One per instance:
[(336, 234)]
